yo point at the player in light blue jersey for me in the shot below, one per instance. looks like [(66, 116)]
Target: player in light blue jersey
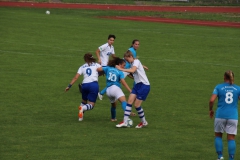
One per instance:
[(90, 86), (133, 49), (226, 118), (139, 92), (114, 92)]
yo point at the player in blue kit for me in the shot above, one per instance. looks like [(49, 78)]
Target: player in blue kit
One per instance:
[(133, 49), (226, 118), (114, 79), (90, 86)]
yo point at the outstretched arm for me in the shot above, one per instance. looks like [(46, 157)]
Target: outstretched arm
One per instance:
[(211, 103), (145, 67), (125, 85), (72, 82)]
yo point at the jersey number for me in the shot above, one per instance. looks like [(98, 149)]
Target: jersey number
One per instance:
[(88, 72), (112, 77), (229, 98)]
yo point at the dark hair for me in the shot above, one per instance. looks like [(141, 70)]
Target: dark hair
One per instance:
[(135, 40), (88, 58), (115, 61), (111, 36), (128, 54), (229, 75)]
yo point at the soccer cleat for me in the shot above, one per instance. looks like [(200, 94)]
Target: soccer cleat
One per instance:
[(220, 158), (80, 114), (142, 124), (80, 87), (114, 120), (100, 96), (121, 124)]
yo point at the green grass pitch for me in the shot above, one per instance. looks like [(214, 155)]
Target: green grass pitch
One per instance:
[(40, 54)]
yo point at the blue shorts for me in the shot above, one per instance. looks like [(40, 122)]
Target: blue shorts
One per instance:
[(90, 91), (141, 90)]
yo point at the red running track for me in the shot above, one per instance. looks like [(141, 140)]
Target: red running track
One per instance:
[(140, 8), (124, 7)]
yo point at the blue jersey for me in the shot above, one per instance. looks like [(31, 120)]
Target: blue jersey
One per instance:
[(227, 100), (134, 53), (113, 76)]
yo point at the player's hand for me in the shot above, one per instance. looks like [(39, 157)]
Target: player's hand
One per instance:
[(118, 67), (211, 113), (67, 89)]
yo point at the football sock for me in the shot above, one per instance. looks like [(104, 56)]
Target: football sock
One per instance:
[(102, 92), (113, 112), (231, 149), (124, 104), (127, 112), (219, 146), (141, 114), (82, 104), (87, 107)]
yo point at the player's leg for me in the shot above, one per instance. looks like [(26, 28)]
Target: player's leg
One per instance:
[(127, 111), (89, 92), (113, 112), (142, 91), (141, 113), (101, 93), (231, 130), (219, 125)]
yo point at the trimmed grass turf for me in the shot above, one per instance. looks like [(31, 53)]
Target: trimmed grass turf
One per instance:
[(40, 54)]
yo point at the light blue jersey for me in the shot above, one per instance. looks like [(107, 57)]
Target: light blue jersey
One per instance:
[(227, 100), (113, 76), (134, 53)]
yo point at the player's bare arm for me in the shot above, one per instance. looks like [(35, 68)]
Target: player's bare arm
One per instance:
[(98, 56), (72, 82)]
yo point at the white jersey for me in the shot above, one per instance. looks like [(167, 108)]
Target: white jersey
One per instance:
[(105, 52), (89, 73), (139, 75)]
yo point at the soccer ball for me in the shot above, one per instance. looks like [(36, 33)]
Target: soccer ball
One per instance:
[(47, 12), (129, 122)]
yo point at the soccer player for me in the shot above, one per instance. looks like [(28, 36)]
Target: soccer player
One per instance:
[(133, 49), (90, 86), (114, 78), (103, 53), (226, 118), (139, 92)]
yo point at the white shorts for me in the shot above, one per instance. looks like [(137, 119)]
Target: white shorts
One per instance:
[(225, 125), (114, 92)]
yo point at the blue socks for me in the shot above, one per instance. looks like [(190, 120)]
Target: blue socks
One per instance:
[(102, 92), (231, 149), (124, 104), (219, 146), (113, 112)]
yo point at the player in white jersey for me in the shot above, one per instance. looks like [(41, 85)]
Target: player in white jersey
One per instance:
[(139, 92), (104, 51), (90, 86)]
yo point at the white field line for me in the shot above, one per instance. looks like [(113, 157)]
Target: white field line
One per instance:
[(147, 58), (191, 62)]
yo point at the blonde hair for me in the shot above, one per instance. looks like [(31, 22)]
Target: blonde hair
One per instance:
[(229, 75), (128, 54)]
